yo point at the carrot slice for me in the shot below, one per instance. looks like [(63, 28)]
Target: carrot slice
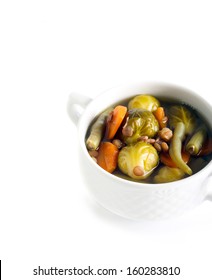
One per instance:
[(107, 156), (159, 114), (115, 120), (207, 148), (166, 159)]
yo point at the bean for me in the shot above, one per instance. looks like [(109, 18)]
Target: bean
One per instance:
[(138, 171), (117, 143), (157, 146), (165, 134), (164, 146), (127, 131)]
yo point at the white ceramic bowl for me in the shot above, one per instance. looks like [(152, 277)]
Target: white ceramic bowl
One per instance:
[(135, 200)]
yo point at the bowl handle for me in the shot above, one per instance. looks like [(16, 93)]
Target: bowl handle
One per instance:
[(209, 187), (76, 105)]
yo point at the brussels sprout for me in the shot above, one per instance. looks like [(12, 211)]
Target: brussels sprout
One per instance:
[(168, 174), (183, 122), (140, 123), (138, 161), (182, 114), (145, 102)]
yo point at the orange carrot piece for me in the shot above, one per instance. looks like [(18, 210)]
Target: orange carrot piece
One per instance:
[(107, 156), (160, 115), (166, 159), (114, 122), (207, 148)]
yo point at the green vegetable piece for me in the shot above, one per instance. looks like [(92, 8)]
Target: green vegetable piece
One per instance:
[(97, 130), (197, 140), (138, 161), (176, 148), (140, 123), (183, 122), (168, 174), (182, 114), (145, 102)]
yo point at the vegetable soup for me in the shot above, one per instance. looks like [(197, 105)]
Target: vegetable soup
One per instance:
[(150, 140)]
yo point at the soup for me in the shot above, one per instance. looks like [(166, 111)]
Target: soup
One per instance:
[(150, 140)]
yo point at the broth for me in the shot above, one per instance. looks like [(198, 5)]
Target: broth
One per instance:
[(196, 163)]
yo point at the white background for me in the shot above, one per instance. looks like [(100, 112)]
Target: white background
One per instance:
[(48, 49)]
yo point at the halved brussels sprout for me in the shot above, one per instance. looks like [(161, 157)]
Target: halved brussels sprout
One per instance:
[(168, 174), (182, 114), (138, 161), (145, 102), (140, 123)]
